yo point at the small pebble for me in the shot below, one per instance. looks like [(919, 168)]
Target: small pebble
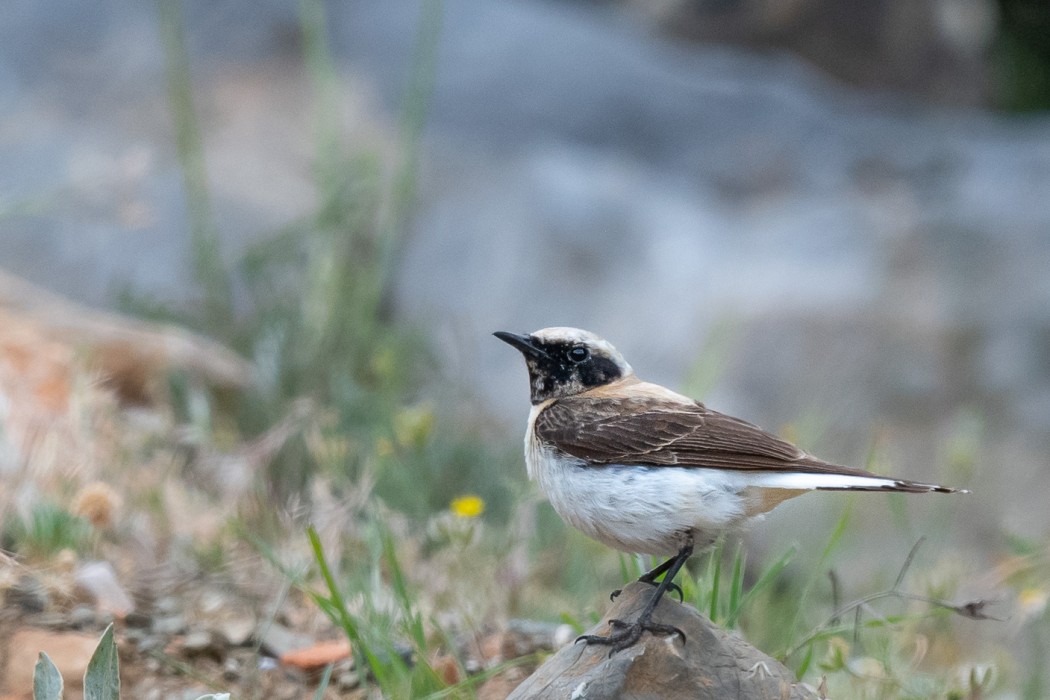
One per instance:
[(28, 594), (137, 619), (151, 643), (168, 605), (205, 643), (81, 616), (52, 620), (169, 625), (348, 680), (231, 670)]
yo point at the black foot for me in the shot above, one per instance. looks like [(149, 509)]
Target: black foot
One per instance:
[(627, 634)]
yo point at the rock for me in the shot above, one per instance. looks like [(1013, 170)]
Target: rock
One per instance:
[(82, 616), (99, 580), (278, 640), (27, 594), (502, 684), (346, 681), (138, 619), (709, 663), (532, 635), (231, 670), (51, 619), (168, 605), (447, 668), (69, 651), (151, 643), (132, 356), (169, 625), (206, 643), (238, 630), (317, 655)]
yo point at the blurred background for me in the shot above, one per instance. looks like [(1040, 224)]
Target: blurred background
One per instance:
[(260, 247)]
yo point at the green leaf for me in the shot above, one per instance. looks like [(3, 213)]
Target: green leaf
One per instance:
[(47, 681), (102, 679)]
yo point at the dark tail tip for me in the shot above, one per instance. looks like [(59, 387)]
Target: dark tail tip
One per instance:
[(915, 487)]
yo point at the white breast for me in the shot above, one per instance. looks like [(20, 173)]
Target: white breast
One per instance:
[(646, 510)]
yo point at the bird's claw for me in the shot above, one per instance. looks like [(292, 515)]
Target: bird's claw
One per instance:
[(670, 586), (628, 633)]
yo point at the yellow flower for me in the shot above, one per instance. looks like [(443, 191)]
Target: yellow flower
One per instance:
[(469, 506), (1032, 601)]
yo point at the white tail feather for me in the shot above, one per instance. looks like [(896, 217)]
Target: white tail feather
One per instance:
[(840, 482)]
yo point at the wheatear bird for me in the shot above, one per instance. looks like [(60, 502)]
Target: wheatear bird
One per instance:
[(646, 470)]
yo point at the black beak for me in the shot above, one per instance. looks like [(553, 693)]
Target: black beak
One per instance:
[(524, 343)]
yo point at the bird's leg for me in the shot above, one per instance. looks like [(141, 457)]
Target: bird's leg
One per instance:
[(650, 578), (627, 633)]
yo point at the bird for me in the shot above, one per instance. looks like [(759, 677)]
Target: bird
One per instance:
[(646, 470)]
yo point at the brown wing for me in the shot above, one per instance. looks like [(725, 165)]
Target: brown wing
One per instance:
[(655, 432)]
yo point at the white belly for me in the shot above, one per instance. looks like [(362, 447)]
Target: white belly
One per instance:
[(645, 510)]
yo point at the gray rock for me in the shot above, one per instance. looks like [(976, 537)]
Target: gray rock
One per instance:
[(169, 625), (238, 630), (206, 643), (347, 680), (28, 594), (137, 619), (52, 619), (710, 663), (99, 580), (231, 670), (168, 605), (278, 640), (151, 643), (82, 616)]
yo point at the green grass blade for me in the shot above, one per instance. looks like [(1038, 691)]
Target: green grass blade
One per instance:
[(404, 600), (804, 665), (47, 681), (715, 579), (833, 542), (335, 607), (323, 685), (837, 533), (767, 577), (102, 678), (736, 583)]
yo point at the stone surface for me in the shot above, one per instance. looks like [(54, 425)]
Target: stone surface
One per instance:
[(27, 594), (70, 652), (208, 643), (99, 580), (317, 656), (131, 355), (711, 663), (278, 640)]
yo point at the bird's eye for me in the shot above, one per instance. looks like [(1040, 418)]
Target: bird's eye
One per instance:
[(579, 354)]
